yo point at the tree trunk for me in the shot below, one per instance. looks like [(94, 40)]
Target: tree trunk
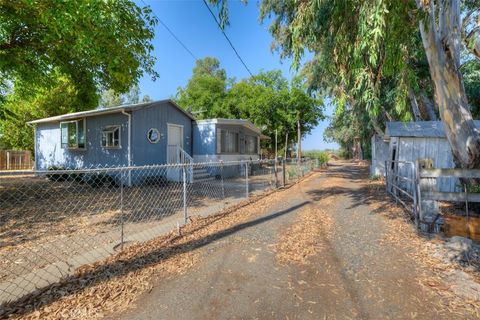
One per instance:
[(442, 46), (413, 102), (429, 107)]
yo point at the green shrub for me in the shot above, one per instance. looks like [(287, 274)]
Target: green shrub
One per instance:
[(321, 156)]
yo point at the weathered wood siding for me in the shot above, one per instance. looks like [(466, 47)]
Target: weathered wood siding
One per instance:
[(379, 155), (15, 160), (438, 149)]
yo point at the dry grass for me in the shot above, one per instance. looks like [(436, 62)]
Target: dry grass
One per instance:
[(114, 284)]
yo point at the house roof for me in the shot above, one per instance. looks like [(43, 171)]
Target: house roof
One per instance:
[(418, 129), (239, 122), (96, 112)]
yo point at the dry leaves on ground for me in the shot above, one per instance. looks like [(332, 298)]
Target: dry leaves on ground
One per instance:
[(114, 284), (432, 271), (303, 239)]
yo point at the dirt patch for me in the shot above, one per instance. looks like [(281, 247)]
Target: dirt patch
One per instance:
[(114, 284)]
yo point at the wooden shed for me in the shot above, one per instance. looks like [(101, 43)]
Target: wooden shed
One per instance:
[(380, 154), (409, 141)]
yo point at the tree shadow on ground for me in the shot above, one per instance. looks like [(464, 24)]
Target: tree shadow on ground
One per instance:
[(120, 267)]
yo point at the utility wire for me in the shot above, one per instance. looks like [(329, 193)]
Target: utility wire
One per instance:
[(226, 37), (171, 32)]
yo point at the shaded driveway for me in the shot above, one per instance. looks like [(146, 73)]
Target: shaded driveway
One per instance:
[(355, 276)]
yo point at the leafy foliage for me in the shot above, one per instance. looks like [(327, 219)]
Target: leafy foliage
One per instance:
[(368, 58), (322, 156), (267, 99), (61, 97), (55, 54), (94, 43)]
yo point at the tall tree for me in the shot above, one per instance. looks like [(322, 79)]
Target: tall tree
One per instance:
[(205, 90), (266, 99), (371, 49), (110, 98), (441, 28), (61, 97), (54, 55), (95, 43)]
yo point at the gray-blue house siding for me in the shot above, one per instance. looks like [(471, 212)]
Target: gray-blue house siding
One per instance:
[(48, 150), (206, 135), (146, 153), (156, 115), (204, 140)]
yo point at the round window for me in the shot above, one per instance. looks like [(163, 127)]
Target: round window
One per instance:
[(153, 135)]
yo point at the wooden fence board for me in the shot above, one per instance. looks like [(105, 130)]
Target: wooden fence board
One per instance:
[(450, 196), (457, 173)]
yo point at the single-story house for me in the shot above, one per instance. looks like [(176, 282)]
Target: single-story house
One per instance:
[(142, 134), (409, 141)]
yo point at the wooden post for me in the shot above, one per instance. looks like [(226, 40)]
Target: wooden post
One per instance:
[(428, 209)]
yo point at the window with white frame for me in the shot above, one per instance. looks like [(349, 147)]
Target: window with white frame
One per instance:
[(227, 141), (251, 144), (73, 134), (111, 137)]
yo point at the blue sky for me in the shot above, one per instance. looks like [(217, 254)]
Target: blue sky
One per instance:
[(195, 27)]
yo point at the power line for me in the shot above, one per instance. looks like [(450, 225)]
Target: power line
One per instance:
[(226, 37), (171, 32)]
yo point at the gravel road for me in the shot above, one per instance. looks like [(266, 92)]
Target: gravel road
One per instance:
[(354, 274)]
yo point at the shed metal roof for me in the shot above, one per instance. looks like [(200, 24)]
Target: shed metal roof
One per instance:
[(418, 129), (91, 113)]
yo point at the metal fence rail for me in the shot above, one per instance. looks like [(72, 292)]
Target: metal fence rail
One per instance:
[(52, 222), (401, 183)]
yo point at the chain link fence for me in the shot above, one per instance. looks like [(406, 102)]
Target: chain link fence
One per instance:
[(54, 221)]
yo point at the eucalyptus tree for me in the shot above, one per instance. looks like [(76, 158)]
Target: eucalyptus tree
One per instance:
[(366, 44)]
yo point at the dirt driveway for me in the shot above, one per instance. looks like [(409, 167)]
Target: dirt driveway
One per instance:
[(322, 252)]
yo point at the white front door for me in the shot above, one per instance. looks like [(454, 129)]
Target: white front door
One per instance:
[(174, 140)]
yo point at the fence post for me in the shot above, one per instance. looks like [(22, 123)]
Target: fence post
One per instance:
[(223, 185), (284, 173), (246, 180), (8, 160), (415, 191), (185, 214), (122, 222), (386, 175), (428, 208), (276, 171)]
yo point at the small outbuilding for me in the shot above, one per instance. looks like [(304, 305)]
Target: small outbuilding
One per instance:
[(409, 141)]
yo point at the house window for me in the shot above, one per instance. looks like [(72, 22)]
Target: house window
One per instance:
[(227, 141), (153, 135), (73, 134), (251, 145), (111, 137)]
